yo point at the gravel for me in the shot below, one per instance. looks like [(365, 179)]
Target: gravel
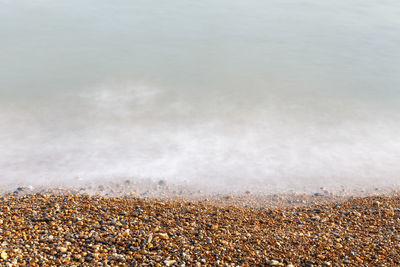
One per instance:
[(84, 230)]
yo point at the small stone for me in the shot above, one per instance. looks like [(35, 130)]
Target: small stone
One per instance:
[(117, 257), (357, 214), (214, 227), (315, 218), (376, 203), (169, 262), (274, 263), (62, 249), (162, 182), (336, 235), (163, 236), (185, 256), (338, 246), (4, 255), (77, 219), (150, 238)]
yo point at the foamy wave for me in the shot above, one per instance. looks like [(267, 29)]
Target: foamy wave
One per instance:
[(271, 149)]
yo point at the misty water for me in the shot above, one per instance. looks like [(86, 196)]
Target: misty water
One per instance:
[(267, 95)]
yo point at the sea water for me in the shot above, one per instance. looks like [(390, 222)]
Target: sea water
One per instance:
[(274, 95)]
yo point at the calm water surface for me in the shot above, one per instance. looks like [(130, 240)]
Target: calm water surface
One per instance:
[(232, 94)]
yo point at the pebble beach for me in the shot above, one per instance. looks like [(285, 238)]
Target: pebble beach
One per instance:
[(199, 133), (71, 228)]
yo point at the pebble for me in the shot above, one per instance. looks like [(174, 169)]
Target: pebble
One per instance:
[(169, 262), (315, 218), (163, 236), (133, 231), (274, 263), (62, 249)]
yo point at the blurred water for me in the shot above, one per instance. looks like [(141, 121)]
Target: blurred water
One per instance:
[(266, 94)]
